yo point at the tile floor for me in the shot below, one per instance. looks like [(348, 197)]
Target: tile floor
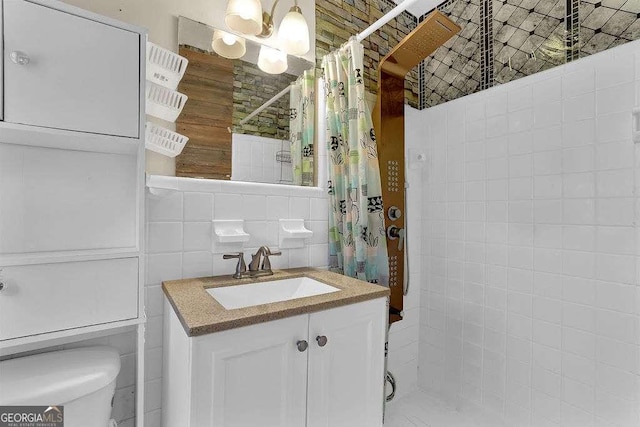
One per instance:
[(420, 409)]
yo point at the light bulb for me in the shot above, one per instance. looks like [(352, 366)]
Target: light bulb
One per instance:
[(228, 45), (228, 39), (272, 61)]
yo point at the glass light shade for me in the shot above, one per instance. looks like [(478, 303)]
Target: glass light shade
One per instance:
[(228, 45), (294, 32), (244, 16), (272, 61)]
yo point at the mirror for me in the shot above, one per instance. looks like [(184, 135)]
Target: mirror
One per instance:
[(225, 140)]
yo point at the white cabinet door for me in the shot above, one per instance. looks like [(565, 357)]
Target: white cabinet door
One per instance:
[(51, 297), (346, 375), (62, 200), (81, 75), (251, 376)]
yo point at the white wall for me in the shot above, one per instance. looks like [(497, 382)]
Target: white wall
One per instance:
[(530, 309), (179, 244)]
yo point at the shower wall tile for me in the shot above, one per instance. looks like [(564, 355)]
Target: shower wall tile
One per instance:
[(530, 307)]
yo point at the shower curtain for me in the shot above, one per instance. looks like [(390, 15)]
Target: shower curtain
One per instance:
[(357, 237), (301, 125)]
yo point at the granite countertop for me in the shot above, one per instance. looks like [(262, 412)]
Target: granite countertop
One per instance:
[(201, 314)]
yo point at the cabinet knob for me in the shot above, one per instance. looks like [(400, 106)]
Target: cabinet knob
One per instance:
[(19, 58), (322, 340), (3, 286), (302, 345)]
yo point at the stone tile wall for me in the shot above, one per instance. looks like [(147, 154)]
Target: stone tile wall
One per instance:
[(252, 88), (504, 40), (338, 20)]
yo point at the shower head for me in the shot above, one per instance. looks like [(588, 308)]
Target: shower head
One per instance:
[(429, 35)]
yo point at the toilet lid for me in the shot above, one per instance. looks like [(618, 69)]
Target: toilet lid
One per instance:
[(57, 377)]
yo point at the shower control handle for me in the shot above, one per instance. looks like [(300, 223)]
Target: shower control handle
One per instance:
[(394, 233), (394, 213), (302, 345), (322, 340)]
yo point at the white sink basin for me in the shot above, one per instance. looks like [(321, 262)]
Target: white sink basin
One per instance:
[(240, 296)]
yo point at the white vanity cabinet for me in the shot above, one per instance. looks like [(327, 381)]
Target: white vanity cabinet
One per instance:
[(279, 373), (71, 72)]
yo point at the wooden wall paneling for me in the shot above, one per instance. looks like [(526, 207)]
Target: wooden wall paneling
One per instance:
[(208, 82)]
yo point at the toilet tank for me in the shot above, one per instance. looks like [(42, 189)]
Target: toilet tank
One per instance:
[(82, 380)]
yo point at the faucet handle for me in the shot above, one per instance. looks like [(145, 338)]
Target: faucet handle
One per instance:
[(241, 267), (268, 251), (233, 255), (266, 264)]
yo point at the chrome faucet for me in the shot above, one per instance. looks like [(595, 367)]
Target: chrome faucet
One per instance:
[(265, 269), (255, 268)]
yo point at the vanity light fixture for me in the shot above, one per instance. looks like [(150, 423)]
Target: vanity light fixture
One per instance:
[(244, 16), (247, 17), (272, 61), (228, 45)]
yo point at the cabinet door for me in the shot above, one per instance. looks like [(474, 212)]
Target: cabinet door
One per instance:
[(51, 297), (346, 375), (63, 200), (82, 75), (251, 376)]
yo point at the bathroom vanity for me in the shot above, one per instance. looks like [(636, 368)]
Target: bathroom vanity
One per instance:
[(303, 347)]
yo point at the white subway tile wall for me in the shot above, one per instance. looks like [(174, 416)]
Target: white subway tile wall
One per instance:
[(253, 158), (530, 303)]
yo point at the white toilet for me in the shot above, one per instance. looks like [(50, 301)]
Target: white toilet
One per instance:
[(83, 380)]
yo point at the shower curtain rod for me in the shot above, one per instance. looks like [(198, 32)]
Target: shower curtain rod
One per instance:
[(363, 35), (385, 18)]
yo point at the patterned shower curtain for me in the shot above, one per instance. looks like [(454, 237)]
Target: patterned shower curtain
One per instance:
[(357, 237), (301, 126)]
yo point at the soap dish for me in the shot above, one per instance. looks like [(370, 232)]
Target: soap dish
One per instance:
[(293, 233), (229, 231)]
